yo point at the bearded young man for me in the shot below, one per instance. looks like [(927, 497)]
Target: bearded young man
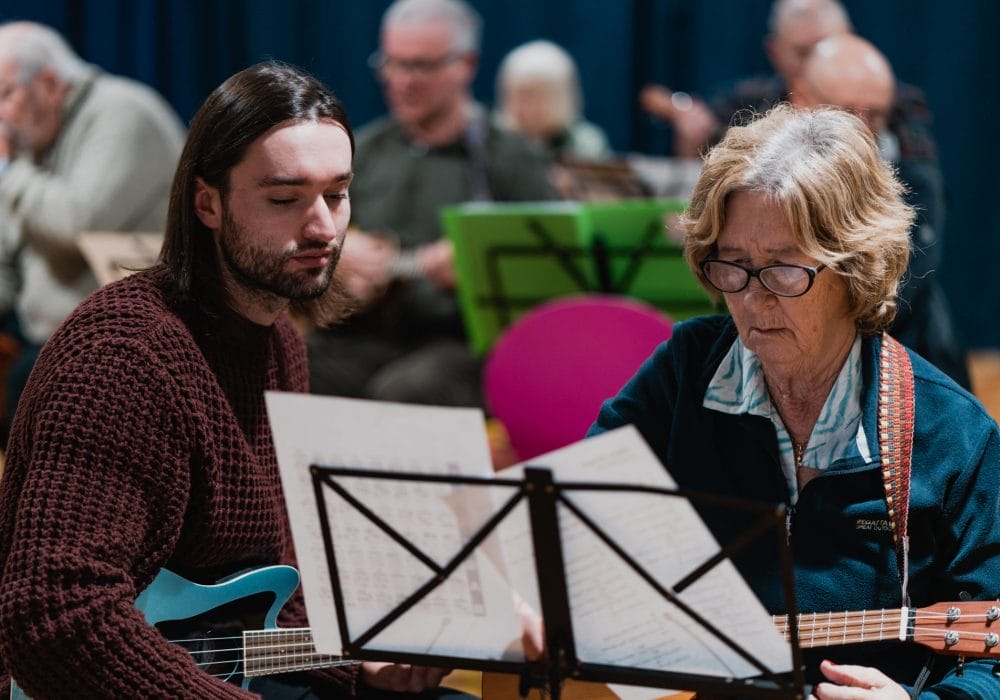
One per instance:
[(142, 440)]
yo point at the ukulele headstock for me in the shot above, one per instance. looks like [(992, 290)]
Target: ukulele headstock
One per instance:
[(968, 628)]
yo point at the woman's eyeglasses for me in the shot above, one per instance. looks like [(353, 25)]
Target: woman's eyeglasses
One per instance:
[(785, 280)]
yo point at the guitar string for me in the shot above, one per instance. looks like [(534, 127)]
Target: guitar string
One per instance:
[(194, 640), (918, 632), (859, 634), (266, 657), (317, 658), (305, 650), (963, 633), (822, 621), (237, 665), (286, 650), (836, 625), (301, 638), (304, 633), (854, 625), (284, 669), (870, 614)]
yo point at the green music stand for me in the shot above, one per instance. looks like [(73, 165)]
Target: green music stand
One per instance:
[(510, 257)]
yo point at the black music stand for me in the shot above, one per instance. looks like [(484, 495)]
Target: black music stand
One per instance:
[(543, 496)]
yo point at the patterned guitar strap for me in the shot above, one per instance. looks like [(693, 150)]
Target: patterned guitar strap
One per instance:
[(895, 441)]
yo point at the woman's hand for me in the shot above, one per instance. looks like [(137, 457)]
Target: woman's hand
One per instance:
[(401, 678), (856, 683)]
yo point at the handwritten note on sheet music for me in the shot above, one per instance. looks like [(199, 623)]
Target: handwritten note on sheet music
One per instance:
[(619, 619), (471, 614)]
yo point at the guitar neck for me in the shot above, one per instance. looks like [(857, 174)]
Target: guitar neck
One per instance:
[(279, 650), (836, 628)]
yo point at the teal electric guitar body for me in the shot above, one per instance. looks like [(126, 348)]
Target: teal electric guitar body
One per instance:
[(230, 628)]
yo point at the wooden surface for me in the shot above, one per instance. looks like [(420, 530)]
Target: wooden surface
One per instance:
[(502, 686), (470, 682), (984, 370)]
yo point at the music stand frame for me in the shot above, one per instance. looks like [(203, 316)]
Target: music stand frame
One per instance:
[(599, 253), (543, 496)]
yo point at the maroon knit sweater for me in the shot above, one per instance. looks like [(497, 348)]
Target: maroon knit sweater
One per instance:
[(142, 442)]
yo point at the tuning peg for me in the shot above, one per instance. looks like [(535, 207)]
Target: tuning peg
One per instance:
[(960, 668)]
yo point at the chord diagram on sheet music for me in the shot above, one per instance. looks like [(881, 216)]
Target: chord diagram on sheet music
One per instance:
[(422, 514)]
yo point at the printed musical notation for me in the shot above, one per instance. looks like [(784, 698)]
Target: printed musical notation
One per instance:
[(471, 612), (618, 618)]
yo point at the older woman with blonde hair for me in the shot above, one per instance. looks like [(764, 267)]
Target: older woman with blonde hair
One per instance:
[(888, 469)]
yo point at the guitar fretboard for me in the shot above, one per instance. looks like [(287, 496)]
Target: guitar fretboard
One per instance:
[(281, 650), (835, 628)]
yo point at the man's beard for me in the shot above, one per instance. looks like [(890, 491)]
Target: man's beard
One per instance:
[(263, 272)]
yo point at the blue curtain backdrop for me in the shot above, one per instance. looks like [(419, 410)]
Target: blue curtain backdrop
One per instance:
[(185, 48)]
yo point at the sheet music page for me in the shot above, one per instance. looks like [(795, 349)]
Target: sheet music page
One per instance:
[(471, 613), (618, 618)]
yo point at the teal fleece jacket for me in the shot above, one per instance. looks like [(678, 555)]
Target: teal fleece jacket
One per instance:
[(843, 553)]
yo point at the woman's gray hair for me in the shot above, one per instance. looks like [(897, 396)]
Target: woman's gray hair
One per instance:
[(543, 60), (465, 22), (843, 202), (35, 47)]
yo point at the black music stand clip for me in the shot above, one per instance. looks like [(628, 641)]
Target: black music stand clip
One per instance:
[(544, 496)]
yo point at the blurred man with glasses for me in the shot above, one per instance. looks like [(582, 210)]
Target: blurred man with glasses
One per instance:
[(436, 147), (794, 27), (847, 71)]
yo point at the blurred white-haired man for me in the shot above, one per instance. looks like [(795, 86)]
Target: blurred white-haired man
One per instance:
[(79, 150)]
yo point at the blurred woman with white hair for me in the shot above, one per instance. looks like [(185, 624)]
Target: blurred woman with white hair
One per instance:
[(538, 94)]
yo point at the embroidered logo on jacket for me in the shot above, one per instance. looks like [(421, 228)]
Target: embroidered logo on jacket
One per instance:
[(878, 525)]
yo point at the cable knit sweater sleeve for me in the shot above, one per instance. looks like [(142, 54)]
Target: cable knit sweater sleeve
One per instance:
[(93, 503)]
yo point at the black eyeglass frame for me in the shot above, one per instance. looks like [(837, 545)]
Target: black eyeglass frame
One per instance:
[(751, 273)]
